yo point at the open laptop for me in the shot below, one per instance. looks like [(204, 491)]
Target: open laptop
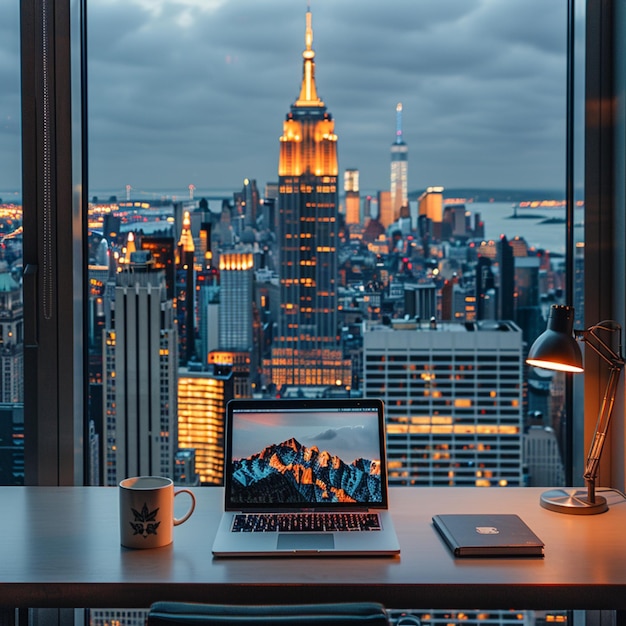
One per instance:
[(305, 477)]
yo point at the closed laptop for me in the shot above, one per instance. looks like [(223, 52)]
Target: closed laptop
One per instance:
[(488, 534)]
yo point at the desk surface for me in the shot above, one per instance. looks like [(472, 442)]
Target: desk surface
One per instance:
[(59, 547)]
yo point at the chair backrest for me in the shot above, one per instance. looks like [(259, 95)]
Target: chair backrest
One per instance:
[(336, 614)]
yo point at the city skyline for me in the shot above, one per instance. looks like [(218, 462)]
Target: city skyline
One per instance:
[(482, 87)]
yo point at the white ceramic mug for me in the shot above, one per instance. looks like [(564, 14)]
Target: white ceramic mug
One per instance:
[(147, 511)]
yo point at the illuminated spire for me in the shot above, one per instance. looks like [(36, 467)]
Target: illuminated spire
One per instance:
[(308, 91), (130, 246), (186, 238)]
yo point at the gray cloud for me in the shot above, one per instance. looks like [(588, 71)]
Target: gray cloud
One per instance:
[(195, 91), (10, 142)]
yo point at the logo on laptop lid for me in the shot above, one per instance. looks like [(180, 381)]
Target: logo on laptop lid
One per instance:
[(487, 530)]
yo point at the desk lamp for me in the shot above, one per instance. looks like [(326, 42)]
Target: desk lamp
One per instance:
[(556, 349)]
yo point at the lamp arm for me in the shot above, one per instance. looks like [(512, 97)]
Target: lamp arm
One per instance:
[(599, 437), (616, 364), (600, 347)]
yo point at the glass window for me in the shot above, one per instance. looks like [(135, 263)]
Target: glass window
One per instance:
[(212, 257), (11, 302)]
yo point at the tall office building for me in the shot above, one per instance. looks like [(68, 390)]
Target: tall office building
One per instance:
[(186, 292), (420, 300), (485, 289), (430, 204), (455, 222), (541, 449), (385, 209), (236, 318), (453, 395), (506, 283), (163, 252), (140, 376), (399, 168), (527, 300), (352, 195), (202, 398), (306, 349), (208, 307), (11, 337), (12, 443), (236, 299), (247, 204)]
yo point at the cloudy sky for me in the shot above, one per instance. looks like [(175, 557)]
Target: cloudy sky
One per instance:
[(195, 91)]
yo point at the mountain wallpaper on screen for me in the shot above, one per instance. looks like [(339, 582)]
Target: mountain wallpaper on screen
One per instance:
[(291, 472)]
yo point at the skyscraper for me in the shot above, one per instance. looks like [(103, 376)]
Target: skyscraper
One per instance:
[(353, 198), (236, 323), (11, 337), (506, 287), (202, 399), (453, 394), (385, 209), (141, 376), (306, 348), (399, 168), (236, 296), (186, 291), (12, 443), (485, 289)]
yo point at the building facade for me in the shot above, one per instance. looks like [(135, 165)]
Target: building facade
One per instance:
[(140, 377), (305, 350), (11, 338), (202, 398), (352, 197), (453, 396), (236, 300)]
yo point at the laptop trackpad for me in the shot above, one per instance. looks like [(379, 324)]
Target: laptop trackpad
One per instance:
[(313, 541)]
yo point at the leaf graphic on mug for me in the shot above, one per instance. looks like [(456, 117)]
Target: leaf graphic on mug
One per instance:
[(145, 521), (145, 515)]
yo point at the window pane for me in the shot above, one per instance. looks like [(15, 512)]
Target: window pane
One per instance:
[(217, 269), (11, 306)]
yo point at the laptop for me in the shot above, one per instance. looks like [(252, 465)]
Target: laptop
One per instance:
[(305, 477)]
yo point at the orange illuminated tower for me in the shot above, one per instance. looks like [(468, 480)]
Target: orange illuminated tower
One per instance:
[(353, 199), (308, 206)]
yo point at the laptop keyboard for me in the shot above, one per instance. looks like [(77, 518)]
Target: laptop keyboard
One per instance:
[(303, 522)]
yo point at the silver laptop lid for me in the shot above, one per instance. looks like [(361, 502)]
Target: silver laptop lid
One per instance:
[(305, 455)]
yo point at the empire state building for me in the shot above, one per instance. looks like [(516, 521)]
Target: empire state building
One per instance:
[(306, 350)]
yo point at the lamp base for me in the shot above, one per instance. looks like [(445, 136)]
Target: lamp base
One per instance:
[(572, 502)]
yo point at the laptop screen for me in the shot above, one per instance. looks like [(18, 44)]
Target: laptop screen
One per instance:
[(305, 454)]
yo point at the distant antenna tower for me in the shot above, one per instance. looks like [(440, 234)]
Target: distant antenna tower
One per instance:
[(192, 188), (399, 122), (128, 188)]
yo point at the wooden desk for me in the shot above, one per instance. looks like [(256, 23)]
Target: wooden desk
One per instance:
[(59, 547)]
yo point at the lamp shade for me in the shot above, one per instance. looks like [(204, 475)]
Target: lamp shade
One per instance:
[(556, 348)]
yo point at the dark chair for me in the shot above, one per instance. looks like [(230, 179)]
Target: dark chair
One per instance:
[(335, 614)]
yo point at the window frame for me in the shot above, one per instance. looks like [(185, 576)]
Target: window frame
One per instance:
[(605, 220), (54, 183), (53, 201)]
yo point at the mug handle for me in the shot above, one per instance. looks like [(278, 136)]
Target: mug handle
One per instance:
[(186, 516)]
